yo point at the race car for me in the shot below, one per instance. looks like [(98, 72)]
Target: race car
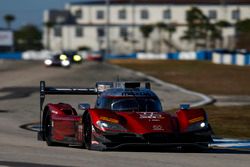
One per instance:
[(125, 114), (72, 56), (57, 60)]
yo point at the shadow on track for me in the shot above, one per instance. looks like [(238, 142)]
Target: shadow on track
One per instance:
[(25, 164), (179, 150), (18, 92), (214, 150)]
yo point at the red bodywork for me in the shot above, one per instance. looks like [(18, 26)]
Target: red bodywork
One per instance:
[(68, 126), (122, 115)]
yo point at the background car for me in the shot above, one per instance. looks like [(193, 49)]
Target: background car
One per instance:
[(72, 56), (57, 60)]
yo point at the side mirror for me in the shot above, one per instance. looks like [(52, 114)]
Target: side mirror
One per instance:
[(84, 106), (185, 106)]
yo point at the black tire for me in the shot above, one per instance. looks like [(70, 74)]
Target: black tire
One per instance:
[(48, 130), (87, 131)]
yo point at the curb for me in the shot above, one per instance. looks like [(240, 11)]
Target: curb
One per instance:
[(205, 99)]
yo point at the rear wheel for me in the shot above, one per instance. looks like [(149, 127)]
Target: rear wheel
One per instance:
[(48, 130)]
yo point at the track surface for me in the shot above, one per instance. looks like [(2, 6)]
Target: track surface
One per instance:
[(19, 104)]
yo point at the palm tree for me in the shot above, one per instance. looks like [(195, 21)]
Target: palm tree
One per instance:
[(146, 30), (48, 26), (9, 19), (170, 28), (197, 27), (160, 26), (221, 24)]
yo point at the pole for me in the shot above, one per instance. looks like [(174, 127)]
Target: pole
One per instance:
[(236, 29), (133, 25), (107, 28)]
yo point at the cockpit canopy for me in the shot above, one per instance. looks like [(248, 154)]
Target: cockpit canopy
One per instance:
[(134, 100)]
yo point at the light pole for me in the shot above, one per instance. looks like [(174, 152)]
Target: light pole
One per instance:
[(236, 28), (133, 24), (107, 28)]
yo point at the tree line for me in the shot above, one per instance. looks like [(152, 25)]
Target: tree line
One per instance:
[(27, 37), (200, 31)]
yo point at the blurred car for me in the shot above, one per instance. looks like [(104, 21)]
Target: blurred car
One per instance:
[(91, 55), (57, 60), (95, 56), (72, 56)]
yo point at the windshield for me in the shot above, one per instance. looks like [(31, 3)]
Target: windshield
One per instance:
[(144, 104)]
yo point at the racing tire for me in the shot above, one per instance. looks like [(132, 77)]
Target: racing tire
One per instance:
[(88, 137), (48, 130), (87, 131)]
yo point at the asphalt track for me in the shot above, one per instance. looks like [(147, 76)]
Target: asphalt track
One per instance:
[(19, 105)]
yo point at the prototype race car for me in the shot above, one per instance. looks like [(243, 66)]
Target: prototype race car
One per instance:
[(125, 114), (72, 56), (57, 60)]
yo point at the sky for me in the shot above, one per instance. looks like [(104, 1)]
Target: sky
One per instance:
[(28, 11)]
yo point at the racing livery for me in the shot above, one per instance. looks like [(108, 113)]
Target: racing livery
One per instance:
[(125, 114)]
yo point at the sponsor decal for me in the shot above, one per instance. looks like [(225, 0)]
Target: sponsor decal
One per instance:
[(151, 115), (157, 127)]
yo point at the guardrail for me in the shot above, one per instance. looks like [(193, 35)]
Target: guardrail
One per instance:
[(231, 59), (27, 55), (199, 55), (228, 58), (15, 55)]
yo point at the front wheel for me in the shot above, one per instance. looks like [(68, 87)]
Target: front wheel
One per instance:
[(87, 131)]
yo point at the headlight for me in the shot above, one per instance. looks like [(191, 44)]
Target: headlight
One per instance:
[(63, 57), (108, 126), (65, 63), (203, 124), (197, 126), (48, 62), (77, 58)]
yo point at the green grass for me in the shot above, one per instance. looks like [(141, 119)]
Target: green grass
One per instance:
[(203, 77), (207, 78), (230, 121)]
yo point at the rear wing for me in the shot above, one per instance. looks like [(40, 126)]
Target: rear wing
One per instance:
[(44, 90), (63, 91), (100, 87)]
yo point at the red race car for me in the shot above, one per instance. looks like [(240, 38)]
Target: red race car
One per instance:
[(125, 114)]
